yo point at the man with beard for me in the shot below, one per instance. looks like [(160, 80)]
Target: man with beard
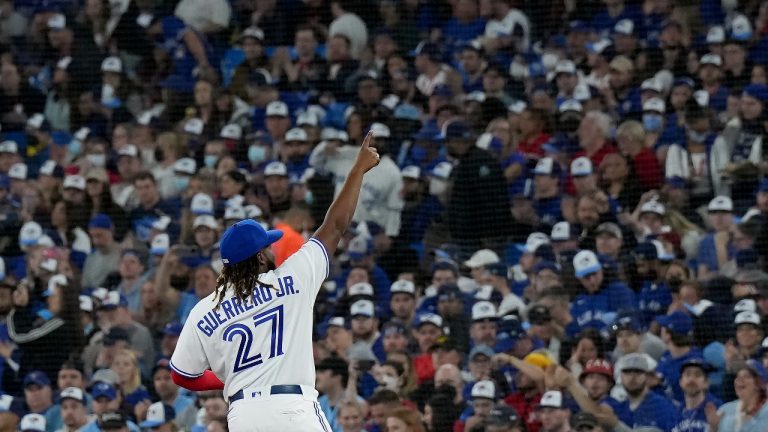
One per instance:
[(294, 152), (698, 399), (475, 214), (554, 414), (655, 296), (677, 335), (365, 327), (621, 96), (482, 331)]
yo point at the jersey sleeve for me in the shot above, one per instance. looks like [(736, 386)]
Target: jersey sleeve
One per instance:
[(189, 359)]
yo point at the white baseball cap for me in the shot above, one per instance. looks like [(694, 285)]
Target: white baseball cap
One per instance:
[(747, 317), (18, 171), (9, 146), (581, 166), (545, 166), (481, 258), (585, 263), (128, 150), (552, 399), (307, 119), (74, 182), (745, 305), (72, 393), (231, 131), (651, 84), (194, 126), (234, 213), (57, 22), (716, 35), (403, 286), (112, 64), (429, 318), (82, 133), (655, 104), (442, 170), (483, 310), (205, 221), (720, 203), (30, 233), (277, 109), (156, 416), (565, 66), (535, 240), (411, 172), (48, 167), (701, 97), (362, 307), (561, 231), (517, 107), (475, 96), (570, 105), (276, 169), (33, 422), (160, 244), (625, 27), (296, 134), (161, 223), (361, 289), (711, 59), (86, 303), (64, 63), (201, 204), (253, 32), (653, 206), (485, 389), (185, 166), (380, 130)]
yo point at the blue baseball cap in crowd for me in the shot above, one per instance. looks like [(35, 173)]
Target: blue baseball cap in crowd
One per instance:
[(676, 322), (497, 269), (684, 81), (158, 414), (245, 239), (696, 361), (103, 389), (509, 334), (627, 320), (756, 366), (36, 378), (456, 130), (101, 220), (428, 49), (757, 91), (172, 329), (547, 265)]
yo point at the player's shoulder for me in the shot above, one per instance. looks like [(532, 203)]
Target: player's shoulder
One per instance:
[(204, 306), (312, 250)]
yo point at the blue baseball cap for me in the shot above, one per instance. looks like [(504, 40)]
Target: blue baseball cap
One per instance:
[(428, 49), (757, 367), (547, 265), (172, 329), (244, 240), (36, 378), (101, 220), (456, 129), (684, 81), (627, 320), (442, 90), (696, 361), (676, 322), (757, 91)]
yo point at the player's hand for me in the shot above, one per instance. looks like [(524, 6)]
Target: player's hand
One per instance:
[(368, 157)]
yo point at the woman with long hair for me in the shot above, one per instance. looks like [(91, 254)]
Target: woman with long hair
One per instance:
[(99, 200), (49, 336), (748, 413), (126, 365)]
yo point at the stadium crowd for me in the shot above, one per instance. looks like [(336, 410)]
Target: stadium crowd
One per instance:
[(566, 231)]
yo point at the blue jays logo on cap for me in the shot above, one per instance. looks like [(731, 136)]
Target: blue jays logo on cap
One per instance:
[(245, 239)]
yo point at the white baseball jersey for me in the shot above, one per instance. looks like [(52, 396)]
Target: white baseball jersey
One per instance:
[(264, 341)]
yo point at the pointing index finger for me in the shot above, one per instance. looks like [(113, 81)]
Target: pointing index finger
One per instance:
[(367, 140)]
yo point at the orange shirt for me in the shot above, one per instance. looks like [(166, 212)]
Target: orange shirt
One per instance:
[(291, 242)]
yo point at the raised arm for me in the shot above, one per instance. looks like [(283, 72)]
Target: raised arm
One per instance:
[(343, 207)]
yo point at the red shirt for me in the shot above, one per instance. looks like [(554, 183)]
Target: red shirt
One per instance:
[(532, 146), (424, 368), (597, 157), (647, 169), (525, 410)]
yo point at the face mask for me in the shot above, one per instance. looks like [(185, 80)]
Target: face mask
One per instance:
[(697, 137), (32, 141), (652, 122), (437, 187), (159, 154), (182, 182), (257, 154), (74, 148), (98, 160), (674, 284), (210, 160)]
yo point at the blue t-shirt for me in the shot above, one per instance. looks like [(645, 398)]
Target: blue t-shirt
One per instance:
[(695, 419), (517, 187), (655, 410), (598, 310), (669, 369), (653, 300), (456, 34), (549, 210), (708, 253)]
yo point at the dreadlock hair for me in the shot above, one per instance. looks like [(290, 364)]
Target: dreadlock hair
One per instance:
[(242, 277)]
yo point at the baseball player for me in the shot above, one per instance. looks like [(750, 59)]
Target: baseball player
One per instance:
[(255, 330)]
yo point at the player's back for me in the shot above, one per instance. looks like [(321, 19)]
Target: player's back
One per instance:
[(266, 340)]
